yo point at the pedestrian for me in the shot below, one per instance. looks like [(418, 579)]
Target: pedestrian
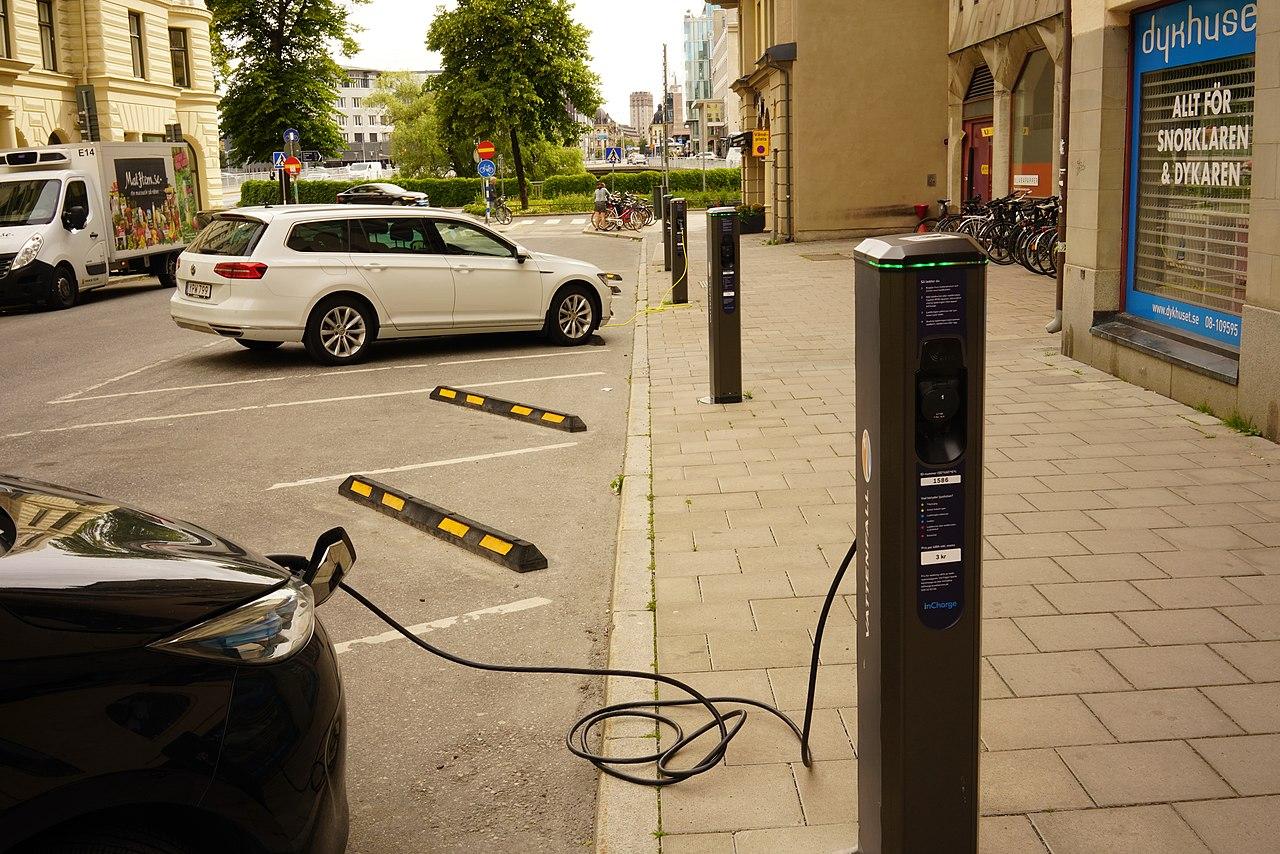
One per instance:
[(602, 205)]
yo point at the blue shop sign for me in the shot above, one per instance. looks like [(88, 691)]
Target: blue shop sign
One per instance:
[(1190, 165)]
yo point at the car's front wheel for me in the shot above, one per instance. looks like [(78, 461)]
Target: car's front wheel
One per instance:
[(572, 316), (340, 331)]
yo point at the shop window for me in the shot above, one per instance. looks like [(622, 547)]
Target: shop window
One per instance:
[(1191, 163), (1032, 162)]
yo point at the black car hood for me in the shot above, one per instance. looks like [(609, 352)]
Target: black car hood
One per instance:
[(83, 564)]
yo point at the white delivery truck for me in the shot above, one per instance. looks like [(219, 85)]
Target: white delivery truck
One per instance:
[(72, 215)]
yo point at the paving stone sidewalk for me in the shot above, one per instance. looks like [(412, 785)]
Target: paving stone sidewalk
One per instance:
[(1131, 603)]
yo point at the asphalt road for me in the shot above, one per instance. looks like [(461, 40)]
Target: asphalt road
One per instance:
[(112, 398)]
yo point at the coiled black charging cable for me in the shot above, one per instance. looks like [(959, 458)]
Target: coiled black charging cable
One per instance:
[(727, 722)]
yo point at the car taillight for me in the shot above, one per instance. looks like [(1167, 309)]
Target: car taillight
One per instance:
[(240, 269)]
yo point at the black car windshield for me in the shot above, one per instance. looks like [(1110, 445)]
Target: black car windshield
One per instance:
[(28, 202)]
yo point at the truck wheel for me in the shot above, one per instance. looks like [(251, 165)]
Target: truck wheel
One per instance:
[(340, 331), (61, 288), (165, 268)]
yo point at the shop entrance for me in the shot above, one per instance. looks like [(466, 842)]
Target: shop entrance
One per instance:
[(976, 174)]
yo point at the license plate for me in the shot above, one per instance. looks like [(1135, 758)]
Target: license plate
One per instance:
[(199, 290)]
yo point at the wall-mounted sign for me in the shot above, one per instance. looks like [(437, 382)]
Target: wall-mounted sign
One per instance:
[(1191, 161), (989, 131), (1026, 180), (760, 143)]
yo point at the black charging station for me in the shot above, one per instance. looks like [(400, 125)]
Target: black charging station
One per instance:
[(724, 304), (679, 251), (920, 306), (666, 231)]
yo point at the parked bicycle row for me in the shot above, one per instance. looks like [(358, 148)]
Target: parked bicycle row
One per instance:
[(618, 211), (1014, 228)]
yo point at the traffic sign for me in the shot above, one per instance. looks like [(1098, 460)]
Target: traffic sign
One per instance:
[(291, 135), (760, 143), (277, 159), (613, 155), (311, 157), (486, 150), (487, 168), (292, 165)]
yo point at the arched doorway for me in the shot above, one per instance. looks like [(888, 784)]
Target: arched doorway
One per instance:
[(979, 129), (56, 139)]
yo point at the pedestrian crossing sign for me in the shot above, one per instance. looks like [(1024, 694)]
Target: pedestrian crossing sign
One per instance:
[(277, 160)]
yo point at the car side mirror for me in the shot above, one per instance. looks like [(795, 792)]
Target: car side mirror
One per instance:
[(332, 559), (521, 257), (74, 217)]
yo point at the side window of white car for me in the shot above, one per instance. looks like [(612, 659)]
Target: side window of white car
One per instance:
[(391, 235), (459, 238), (325, 236)]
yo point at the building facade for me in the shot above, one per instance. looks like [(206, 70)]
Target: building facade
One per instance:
[(84, 70), (725, 70), (365, 129), (641, 109), (1172, 279), (834, 92), (697, 74)]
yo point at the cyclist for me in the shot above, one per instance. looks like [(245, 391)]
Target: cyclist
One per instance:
[(601, 216)]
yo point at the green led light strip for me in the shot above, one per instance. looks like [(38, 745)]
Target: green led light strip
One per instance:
[(885, 266)]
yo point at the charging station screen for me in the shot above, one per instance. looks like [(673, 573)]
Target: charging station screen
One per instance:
[(940, 576), (728, 269)]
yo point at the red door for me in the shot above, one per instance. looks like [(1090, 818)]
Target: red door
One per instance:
[(976, 171)]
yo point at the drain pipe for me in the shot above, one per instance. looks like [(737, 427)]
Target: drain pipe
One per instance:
[(1064, 160)]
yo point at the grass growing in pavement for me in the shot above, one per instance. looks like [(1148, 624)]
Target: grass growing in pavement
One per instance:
[(1235, 420)]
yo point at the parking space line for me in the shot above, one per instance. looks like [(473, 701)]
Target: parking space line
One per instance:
[(445, 623), (67, 398), (578, 222), (174, 416), (313, 374), (553, 222), (330, 478)]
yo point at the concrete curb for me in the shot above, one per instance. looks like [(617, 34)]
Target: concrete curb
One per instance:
[(627, 814), (616, 235)]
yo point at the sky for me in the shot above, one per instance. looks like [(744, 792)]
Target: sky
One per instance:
[(626, 41)]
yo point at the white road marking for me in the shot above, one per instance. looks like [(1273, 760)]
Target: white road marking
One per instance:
[(329, 478), (553, 222), (582, 221), (66, 398), (253, 407), (446, 623), (313, 374), (525, 222)]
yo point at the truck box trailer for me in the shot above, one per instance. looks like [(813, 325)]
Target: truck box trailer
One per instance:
[(71, 216)]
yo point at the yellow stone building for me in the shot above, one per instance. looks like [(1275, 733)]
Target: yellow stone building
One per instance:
[(142, 66)]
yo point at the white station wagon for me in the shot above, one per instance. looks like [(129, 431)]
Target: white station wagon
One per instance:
[(339, 277)]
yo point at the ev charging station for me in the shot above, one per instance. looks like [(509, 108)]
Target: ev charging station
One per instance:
[(679, 251), (666, 231), (920, 305), (724, 303)]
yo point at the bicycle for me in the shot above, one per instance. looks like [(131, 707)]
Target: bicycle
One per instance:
[(501, 211)]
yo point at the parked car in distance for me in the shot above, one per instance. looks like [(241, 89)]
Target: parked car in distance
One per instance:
[(382, 194), (704, 155), (337, 279), (636, 160), (165, 690)]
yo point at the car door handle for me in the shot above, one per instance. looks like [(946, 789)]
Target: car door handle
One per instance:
[(374, 265), (93, 235), (463, 268)]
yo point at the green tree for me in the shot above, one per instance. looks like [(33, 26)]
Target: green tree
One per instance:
[(416, 145), (513, 68), (273, 56)]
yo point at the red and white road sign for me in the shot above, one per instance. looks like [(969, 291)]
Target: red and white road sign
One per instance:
[(486, 150), (292, 165)]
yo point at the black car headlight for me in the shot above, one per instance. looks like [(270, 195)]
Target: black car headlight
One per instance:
[(266, 630)]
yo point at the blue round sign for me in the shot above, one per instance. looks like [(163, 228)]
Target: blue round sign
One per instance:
[(291, 135), (486, 168)]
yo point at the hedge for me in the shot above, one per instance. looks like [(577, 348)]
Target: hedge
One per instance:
[(443, 192), (584, 203), (457, 192)]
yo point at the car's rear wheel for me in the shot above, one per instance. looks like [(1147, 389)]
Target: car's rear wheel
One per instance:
[(118, 840), (340, 331), (572, 317), (258, 345), (61, 290)]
